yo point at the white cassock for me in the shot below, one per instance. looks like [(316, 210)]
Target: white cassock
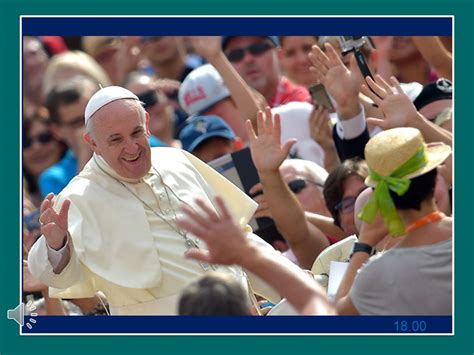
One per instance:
[(122, 248)]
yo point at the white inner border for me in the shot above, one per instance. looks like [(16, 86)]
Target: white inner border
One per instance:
[(223, 16)]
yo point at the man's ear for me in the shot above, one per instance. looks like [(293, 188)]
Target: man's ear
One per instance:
[(91, 143), (147, 120)]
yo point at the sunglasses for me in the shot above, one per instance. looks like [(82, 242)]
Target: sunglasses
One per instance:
[(148, 99), (42, 138), (255, 49), (296, 186)]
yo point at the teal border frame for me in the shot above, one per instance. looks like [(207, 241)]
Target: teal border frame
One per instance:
[(12, 343)]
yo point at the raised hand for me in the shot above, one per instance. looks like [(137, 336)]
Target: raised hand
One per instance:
[(54, 225), (267, 152), (225, 239), (207, 47), (320, 128), (340, 82), (397, 107)]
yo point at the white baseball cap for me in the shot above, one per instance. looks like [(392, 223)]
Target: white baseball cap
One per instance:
[(201, 89), (104, 97)]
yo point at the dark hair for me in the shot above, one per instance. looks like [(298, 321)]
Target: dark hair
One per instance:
[(332, 190), (421, 188), (65, 93), (40, 115), (214, 294)]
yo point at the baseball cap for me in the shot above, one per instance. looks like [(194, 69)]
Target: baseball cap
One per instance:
[(441, 89), (201, 128), (104, 97), (226, 39), (201, 89)]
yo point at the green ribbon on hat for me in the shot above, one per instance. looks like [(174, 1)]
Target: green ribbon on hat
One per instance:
[(381, 199)]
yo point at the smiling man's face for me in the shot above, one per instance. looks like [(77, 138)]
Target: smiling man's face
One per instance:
[(120, 135)]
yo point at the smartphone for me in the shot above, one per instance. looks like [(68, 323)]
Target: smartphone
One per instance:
[(321, 97)]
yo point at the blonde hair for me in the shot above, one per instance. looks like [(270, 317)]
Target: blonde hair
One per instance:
[(67, 65)]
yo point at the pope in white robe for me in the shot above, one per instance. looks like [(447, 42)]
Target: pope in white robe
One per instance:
[(122, 238)]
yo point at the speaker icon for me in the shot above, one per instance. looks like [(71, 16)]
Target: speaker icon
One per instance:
[(17, 314)]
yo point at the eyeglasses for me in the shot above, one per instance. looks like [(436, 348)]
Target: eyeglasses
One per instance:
[(346, 205), (296, 186), (42, 138), (77, 122), (149, 99), (255, 49)]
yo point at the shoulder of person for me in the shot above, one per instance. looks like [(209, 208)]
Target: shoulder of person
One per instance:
[(446, 225)]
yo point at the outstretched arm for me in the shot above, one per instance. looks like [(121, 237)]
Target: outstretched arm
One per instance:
[(304, 239), (209, 47), (228, 245)]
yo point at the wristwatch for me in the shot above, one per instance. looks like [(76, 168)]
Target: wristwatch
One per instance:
[(363, 247)]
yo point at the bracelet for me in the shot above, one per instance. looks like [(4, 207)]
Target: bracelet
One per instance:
[(362, 247)]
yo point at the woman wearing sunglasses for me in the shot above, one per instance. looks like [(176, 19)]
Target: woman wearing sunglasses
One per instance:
[(40, 150)]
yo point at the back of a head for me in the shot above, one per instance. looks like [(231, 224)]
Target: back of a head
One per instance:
[(214, 294), (402, 153)]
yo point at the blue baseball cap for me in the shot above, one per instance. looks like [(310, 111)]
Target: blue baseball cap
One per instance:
[(226, 39), (201, 128)]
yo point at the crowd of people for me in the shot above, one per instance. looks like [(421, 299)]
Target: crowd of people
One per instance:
[(124, 215)]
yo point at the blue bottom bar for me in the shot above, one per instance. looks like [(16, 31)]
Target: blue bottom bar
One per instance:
[(280, 324)]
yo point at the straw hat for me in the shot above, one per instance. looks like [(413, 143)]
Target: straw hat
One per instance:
[(389, 149)]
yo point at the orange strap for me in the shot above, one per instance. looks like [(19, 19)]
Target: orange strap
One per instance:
[(429, 218)]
